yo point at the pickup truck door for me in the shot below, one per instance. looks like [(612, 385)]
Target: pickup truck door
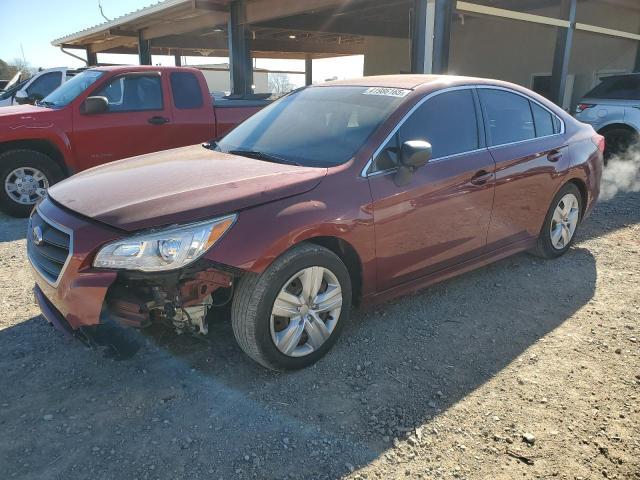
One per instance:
[(193, 117), (138, 121)]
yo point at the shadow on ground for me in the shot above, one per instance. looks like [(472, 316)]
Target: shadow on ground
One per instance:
[(198, 408)]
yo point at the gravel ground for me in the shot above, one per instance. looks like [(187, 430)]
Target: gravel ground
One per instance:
[(523, 369)]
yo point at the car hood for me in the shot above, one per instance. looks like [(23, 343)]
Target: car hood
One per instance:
[(23, 113), (179, 186)]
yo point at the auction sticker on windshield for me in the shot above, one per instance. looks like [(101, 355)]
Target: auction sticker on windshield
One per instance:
[(387, 92)]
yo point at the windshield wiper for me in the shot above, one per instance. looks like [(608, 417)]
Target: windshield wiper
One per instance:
[(45, 103), (269, 157)]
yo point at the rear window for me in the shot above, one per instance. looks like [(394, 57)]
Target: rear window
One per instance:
[(543, 121), (508, 116), (186, 90), (617, 88)]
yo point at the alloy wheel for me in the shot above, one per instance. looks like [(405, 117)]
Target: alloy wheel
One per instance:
[(564, 221), (306, 311), (25, 185)]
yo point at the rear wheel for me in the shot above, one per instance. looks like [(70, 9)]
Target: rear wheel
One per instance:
[(561, 223), (25, 176), (291, 315)]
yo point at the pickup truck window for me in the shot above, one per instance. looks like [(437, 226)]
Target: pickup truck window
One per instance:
[(133, 93), (68, 91), (186, 90), (45, 84), (315, 126)]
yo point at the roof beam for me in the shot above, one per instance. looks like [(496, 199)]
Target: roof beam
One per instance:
[(260, 45), (197, 22), (340, 25), (262, 10)]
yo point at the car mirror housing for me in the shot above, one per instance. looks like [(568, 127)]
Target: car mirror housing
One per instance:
[(95, 105), (413, 154), (21, 97)]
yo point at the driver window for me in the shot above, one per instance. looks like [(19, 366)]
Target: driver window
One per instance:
[(447, 121), (133, 93)]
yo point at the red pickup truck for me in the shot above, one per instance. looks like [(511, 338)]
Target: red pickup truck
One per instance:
[(106, 114)]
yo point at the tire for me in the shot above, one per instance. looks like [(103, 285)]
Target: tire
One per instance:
[(32, 161), (545, 246), (617, 141), (253, 302)]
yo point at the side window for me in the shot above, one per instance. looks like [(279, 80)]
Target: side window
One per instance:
[(133, 93), (543, 121), (45, 84), (186, 90), (508, 116), (447, 121)]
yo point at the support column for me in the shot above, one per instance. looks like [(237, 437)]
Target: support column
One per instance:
[(430, 36), (562, 54), (240, 66), (92, 58), (636, 68), (308, 70), (144, 50), (178, 60)]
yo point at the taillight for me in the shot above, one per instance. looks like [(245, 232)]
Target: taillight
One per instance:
[(581, 107), (598, 140)]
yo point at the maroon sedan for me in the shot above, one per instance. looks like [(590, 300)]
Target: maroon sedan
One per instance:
[(351, 192)]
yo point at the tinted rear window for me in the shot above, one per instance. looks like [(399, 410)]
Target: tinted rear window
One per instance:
[(186, 90), (617, 88), (508, 116), (543, 120)]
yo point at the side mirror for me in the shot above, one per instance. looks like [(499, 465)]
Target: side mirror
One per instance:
[(21, 97), (413, 154), (95, 105)]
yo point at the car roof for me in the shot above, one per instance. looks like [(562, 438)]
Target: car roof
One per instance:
[(413, 81), (135, 68)]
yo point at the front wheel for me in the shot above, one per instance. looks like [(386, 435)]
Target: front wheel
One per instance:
[(25, 176), (561, 223), (291, 315)]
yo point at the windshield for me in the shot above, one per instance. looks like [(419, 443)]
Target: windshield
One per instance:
[(10, 92), (68, 91), (314, 127)]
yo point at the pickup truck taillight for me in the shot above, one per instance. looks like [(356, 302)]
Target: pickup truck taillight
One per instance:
[(581, 107), (599, 142)]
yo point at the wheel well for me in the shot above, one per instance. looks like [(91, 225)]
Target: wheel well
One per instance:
[(617, 126), (583, 193), (42, 146), (349, 256)]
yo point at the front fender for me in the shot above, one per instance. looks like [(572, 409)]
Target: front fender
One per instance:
[(335, 208)]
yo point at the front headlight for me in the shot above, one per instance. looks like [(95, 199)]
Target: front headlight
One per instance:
[(165, 249)]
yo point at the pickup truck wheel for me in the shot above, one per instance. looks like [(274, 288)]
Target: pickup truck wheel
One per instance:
[(289, 316), (25, 176)]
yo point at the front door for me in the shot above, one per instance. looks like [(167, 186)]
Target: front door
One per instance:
[(441, 217), (138, 121)]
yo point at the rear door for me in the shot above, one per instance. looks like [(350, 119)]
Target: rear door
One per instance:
[(441, 217), (138, 121), (193, 118), (531, 155)]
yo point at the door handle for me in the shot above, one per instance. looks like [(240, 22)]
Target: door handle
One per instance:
[(157, 120), (554, 156), (481, 177)]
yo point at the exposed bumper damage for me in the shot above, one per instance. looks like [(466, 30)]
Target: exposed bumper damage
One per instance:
[(181, 299)]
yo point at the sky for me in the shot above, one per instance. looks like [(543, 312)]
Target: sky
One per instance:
[(29, 26)]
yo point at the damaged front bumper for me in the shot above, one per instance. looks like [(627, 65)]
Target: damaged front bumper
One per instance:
[(94, 304)]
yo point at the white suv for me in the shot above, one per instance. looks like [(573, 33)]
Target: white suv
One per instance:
[(37, 87), (612, 108)]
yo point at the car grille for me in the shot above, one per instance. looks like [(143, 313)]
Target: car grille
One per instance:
[(48, 247)]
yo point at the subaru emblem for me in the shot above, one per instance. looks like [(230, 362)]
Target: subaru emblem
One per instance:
[(36, 235)]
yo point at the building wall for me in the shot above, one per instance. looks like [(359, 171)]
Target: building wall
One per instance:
[(515, 51), (385, 55)]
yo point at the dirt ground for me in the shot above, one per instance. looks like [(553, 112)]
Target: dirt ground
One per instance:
[(523, 369)]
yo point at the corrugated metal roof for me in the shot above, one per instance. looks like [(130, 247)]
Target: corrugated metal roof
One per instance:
[(116, 22)]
